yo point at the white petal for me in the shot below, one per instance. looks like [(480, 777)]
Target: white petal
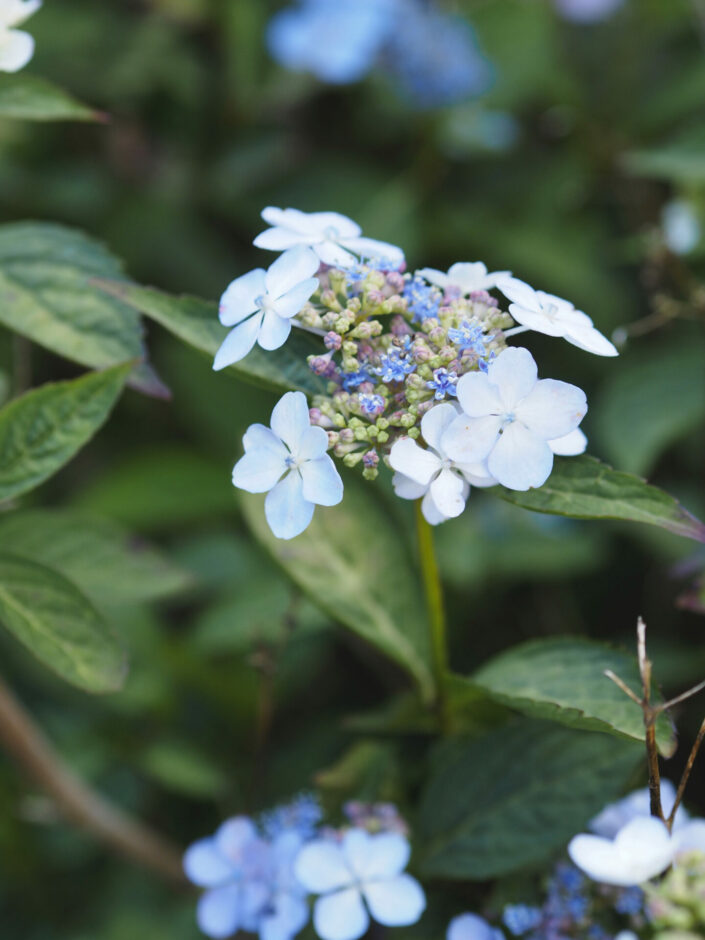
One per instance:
[(291, 268), (389, 857), (641, 850), (371, 248), (520, 460), (519, 292), (448, 491), (16, 49), (431, 512), (274, 331), (591, 340), (468, 275), (433, 276), (570, 445), (287, 511), (689, 837), (470, 927), (292, 302), (413, 461), (320, 867), (477, 474), (333, 254), (536, 320), (205, 866), (395, 902), (219, 912), (240, 297), (478, 396), (340, 916), (435, 422), (17, 11), (280, 239), (470, 440), (290, 419), (341, 224), (514, 373), (322, 483), (358, 849), (312, 443), (259, 470), (406, 488), (552, 409), (238, 342)]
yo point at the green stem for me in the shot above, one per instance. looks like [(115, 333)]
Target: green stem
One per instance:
[(436, 614)]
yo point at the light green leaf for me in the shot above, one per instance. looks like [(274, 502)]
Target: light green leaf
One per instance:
[(562, 679), (586, 488), (30, 98), (51, 617), (196, 322), (97, 555), (43, 429), (652, 402), (681, 160), (47, 295), (351, 562), (503, 801)]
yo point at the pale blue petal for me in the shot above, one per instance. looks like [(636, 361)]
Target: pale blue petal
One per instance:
[(411, 460), (218, 912), (449, 492), (552, 409), (290, 269), (321, 867), (289, 917), (390, 855), (358, 849), (279, 239), (332, 253), (234, 835), (514, 373), (478, 396), (312, 444), (340, 916), (258, 471), (435, 422), (288, 512), (240, 297), (570, 445), (395, 902), (520, 460), (470, 927), (290, 419), (205, 866), (238, 342), (274, 331), (371, 248), (431, 512), (292, 302), (406, 488), (321, 482), (470, 440), (259, 437)]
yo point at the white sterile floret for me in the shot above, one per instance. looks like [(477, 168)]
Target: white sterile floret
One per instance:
[(510, 419), (616, 815), (553, 316), (359, 876), (431, 474), (335, 238), (641, 850), (260, 304), (289, 462), (16, 46), (570, 445), (465, 276), (472, 927)]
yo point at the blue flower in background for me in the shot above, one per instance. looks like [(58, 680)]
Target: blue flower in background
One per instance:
[(587, 11), (520, 918), (337, 40), (302, 815)]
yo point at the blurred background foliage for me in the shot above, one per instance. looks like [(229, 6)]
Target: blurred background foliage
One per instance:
[(240, 691)]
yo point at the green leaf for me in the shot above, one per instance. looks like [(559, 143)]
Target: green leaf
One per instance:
[(97, 555), (47, 295), (51, 617), (351, 562), (562, 679), (196, 322), (43, 429), (506, 800), (586, 488), (30, 98), (682, 160), (652, 402)]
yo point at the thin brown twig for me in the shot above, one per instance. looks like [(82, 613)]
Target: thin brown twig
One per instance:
[(681, 698), (623, 686), (686, 774), (650, 715), (77, 801)]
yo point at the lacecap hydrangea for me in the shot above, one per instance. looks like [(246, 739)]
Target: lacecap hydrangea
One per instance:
[(417, 370)]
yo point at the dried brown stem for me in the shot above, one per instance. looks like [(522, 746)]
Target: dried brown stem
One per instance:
[(79, 804), (686, 774), (623, 686)]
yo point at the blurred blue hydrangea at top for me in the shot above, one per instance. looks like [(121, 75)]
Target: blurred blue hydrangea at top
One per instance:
[(432, 56)]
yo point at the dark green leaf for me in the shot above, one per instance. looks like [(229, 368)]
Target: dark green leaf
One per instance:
[(352, 563), (46, 294), (504, 801), (43, 429), (586, 488), (34, 99), (562, 679), (196, 322), (59, 625)]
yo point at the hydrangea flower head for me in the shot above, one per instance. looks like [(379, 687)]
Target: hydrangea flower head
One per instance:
[(288, 462), (358, 877), (16, 46), (335, 238), (508, 418), (259, 305), (472, 927), (641, 850), (464, 277)]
